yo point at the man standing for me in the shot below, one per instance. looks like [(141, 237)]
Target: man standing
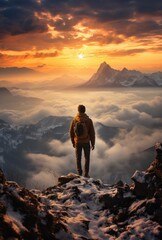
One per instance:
[(82, 136)]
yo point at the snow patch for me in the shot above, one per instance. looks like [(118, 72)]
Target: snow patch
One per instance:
[(139, 176)]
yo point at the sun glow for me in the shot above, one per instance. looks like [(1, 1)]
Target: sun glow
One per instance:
[(80, 55)]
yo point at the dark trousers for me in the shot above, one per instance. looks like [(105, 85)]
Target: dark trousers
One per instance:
[(78, 150)]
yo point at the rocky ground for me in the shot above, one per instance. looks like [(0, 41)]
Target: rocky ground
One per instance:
[(83, 208)]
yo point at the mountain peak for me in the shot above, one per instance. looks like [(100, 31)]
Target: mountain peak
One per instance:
[(104, 65), (16, 70), (125, 69), (102, 77), (4, 92), (104, 68)]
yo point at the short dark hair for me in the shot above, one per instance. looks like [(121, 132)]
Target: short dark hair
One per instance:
[(81, 109)]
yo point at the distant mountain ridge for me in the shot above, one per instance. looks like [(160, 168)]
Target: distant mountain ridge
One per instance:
[(5, 92), (10, 101), (15, 70), (109, 77)]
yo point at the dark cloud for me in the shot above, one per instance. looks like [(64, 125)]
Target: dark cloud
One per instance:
[(158, 48), (115, 16), (126, 52), (45, 55), (17, 3), (107, 39), (19, 20), (41, 66), (119, 20), (36, 55), (149, 7)]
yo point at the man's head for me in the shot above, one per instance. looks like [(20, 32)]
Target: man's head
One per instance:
[(81, 109)]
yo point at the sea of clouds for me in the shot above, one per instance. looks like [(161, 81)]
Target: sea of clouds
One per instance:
[(136, 113)]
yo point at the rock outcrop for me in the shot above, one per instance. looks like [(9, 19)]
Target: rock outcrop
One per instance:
[(82, 208), (156, 166)]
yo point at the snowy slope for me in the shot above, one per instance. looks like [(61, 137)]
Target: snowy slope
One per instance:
[(104, 76), (157, 76), (11, 137)]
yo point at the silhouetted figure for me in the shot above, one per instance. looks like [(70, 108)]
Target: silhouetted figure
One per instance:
[(82, 136)]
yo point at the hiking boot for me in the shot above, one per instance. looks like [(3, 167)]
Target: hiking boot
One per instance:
[(80, 173), (86, 175)]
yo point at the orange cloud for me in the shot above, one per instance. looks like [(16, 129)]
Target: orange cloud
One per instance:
[(36, 30)]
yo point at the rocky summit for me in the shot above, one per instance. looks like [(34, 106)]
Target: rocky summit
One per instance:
[(80, 208)]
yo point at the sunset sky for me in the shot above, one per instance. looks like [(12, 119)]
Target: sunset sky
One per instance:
[(75, 36)]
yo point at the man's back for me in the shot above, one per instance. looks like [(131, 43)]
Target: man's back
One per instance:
[(90, 136), (84, 140)]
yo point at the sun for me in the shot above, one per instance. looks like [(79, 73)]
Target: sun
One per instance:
[(80, 55)]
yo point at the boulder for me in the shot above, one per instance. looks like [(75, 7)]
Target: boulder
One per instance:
[(145, 184), (65, 179)]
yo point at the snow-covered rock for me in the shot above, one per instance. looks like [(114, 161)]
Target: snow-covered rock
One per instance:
[(157, 76), (80, 208)]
